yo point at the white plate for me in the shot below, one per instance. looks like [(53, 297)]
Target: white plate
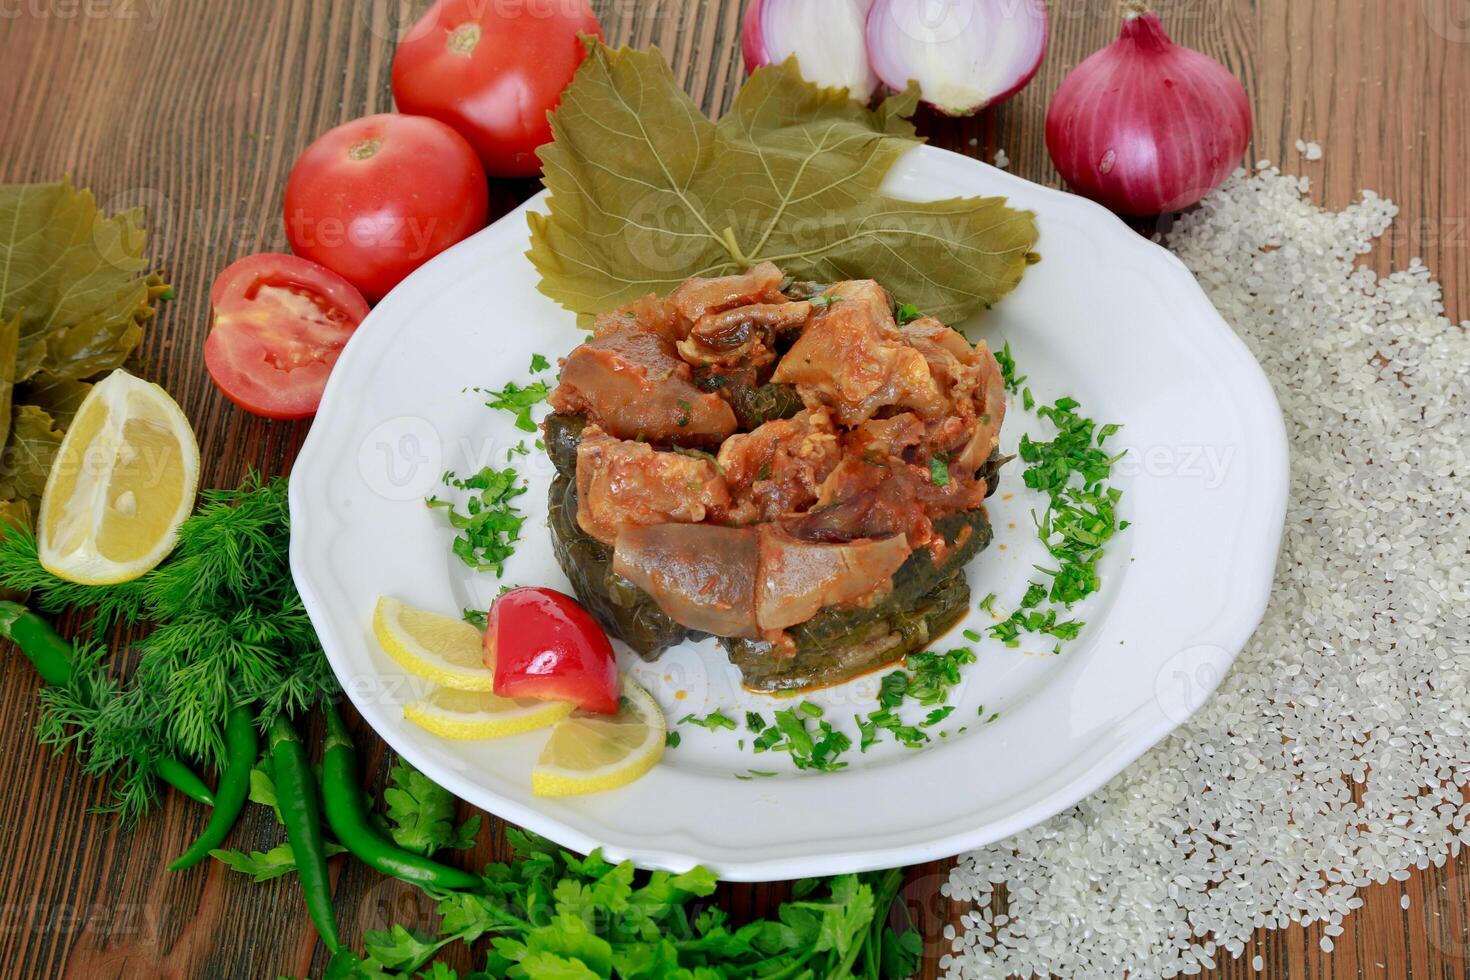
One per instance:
[(1106, 317)]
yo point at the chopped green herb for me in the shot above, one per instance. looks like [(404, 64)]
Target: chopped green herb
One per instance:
[(908, 313), (937, 715), (519, 449), (938, 471), (684, 413), (539, 363), (672, 739), (1081, 517), (754, 721), (713, 721), (478, 618), (490, 524), (519, 401), (1008, 368), (810, 710)]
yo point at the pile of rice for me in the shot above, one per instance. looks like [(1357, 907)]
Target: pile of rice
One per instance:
[(1333, 754)]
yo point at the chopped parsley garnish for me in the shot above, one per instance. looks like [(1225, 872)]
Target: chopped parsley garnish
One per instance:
[(938, 471), (714, 721), (478, 618), (519, 449), (684, 413), (490, 524), (672, 739), (908, 313), (519, 401), (1008, 368), (539, 363), (1072, 469)]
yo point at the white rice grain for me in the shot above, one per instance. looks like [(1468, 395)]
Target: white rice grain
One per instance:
[(1333, 753)]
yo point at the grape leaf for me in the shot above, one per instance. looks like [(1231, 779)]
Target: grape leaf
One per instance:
[(9, 345), (26, 461), (646, 191), (74, 294), (75, 277)]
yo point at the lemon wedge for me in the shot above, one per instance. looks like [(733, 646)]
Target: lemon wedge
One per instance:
[(590, 753), (470, 715), (121, 484), (436, 648)]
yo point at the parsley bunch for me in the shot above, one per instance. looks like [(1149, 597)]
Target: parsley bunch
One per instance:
[(550, 913)]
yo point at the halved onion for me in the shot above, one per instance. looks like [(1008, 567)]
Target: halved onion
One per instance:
[(825, 35), (965, 54)]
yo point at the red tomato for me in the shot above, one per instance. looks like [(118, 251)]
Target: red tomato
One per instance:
[(543, 645), (278, 324), (493, 71), (376, 198)]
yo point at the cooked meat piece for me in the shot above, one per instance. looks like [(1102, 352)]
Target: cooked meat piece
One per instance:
[(695, 297), (633, 384), (748, 582), (651, 314), (700, 575), (742, 333), (852, 359), (972, 384), (880, 440), (874, 498), (623, 484), (798, 578), (777, 469)]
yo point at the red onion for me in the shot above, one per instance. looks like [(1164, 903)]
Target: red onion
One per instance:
[(1145, 126), (825, 35), (965, 54)]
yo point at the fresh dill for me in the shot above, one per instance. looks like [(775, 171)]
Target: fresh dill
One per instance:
[(227, 629)]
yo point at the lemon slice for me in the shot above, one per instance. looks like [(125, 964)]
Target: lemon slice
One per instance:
[(122, 483), (467, 715), (447, 651), (589, 753)]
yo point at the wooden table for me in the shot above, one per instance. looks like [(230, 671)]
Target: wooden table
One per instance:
[(196, 109)]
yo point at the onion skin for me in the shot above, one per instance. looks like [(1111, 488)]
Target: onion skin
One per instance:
[(1146, 126), (771, 32)]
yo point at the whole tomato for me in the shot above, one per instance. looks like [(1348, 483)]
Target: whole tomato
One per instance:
[(376, 198), (493, 71)]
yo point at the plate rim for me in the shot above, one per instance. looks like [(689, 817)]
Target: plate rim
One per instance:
[(1094, 768)]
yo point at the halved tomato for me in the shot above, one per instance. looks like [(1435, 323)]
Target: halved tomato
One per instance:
[(279, 324)]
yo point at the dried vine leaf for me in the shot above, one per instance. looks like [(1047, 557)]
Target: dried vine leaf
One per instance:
[(646, 191), (9, 345), (74, 294), (29, 452)]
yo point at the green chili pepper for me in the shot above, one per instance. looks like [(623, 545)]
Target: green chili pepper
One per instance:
[(342, 800), (296, 797), (241, 748), (52, 657), (183, 779), (37, 640)]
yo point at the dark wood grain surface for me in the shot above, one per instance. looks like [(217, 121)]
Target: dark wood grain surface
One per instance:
[(196, 108)]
